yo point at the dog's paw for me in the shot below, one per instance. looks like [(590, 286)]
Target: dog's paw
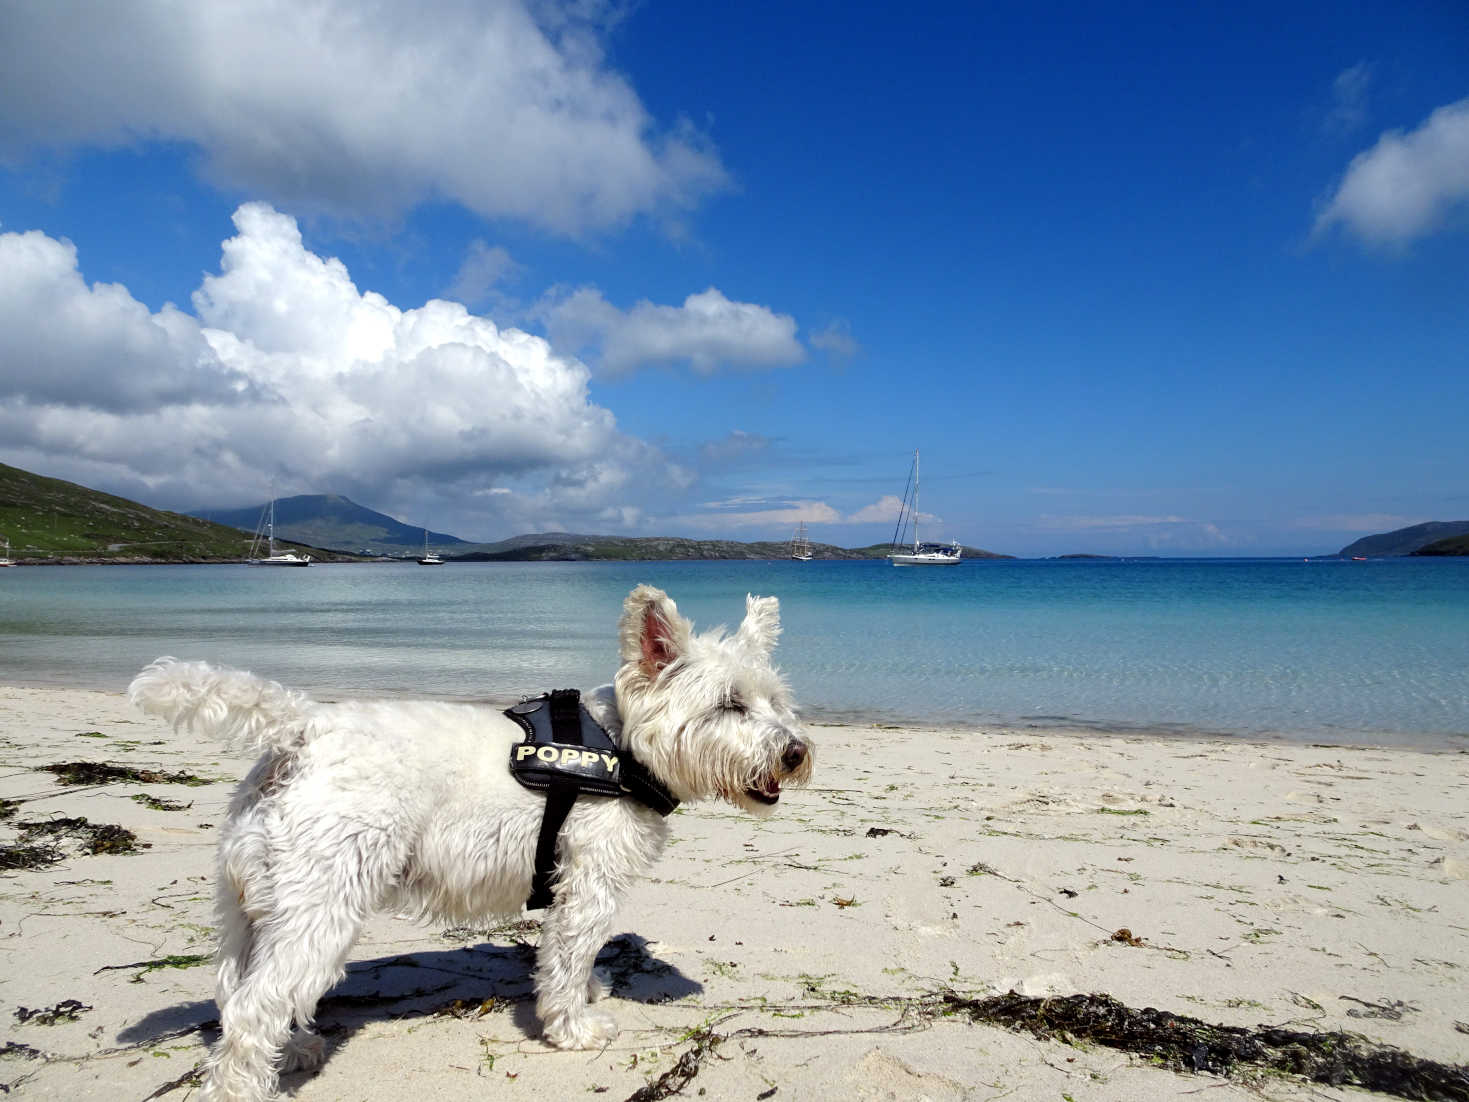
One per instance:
[(599, 986), (590, 1029), (303, 1052)]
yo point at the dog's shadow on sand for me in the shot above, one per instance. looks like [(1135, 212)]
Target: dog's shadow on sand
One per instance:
[(468, 982)]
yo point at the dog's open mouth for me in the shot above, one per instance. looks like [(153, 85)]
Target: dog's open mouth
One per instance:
[(767, 793)]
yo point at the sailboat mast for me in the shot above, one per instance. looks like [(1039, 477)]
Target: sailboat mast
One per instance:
[(915, 501), (270, 528)]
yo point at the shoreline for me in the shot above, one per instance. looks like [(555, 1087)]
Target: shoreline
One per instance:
[(1297, 885), (1431, 742)]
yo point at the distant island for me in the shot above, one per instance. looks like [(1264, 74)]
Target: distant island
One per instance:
[(330, 520), (49, 520), (1436, 537)]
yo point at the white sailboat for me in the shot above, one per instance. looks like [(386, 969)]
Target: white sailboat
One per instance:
[(800, 544), (265, 538), (923, 554), (430, 558), (5, 559)]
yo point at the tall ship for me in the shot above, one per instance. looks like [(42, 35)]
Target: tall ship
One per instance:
[(801, 544), (921, 554)]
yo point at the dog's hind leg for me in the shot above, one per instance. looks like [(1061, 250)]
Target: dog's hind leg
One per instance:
[(242, 890), (287, 959), (236, 935), (295, 954)]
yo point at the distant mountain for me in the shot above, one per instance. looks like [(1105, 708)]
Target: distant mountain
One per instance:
[(50, 521), (329, 520), (1454, 545), (1405, 541), (565, 547)]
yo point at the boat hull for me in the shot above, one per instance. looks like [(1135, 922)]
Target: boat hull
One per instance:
[(925, 560)]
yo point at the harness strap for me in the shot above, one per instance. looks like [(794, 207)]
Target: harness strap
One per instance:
[(647, 789), (565, 708)]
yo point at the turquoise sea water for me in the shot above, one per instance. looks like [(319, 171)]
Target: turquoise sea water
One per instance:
[(1343, 651)]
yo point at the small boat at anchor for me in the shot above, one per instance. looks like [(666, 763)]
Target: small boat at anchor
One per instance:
[(265, 540), (922, 554), (429, 558)]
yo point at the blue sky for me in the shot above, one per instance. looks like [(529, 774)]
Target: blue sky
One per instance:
[(1136, 278)]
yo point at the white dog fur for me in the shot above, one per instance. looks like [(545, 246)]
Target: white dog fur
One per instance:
[(409, 806)]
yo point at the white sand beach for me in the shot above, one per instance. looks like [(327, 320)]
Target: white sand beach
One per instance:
[(802, 956)]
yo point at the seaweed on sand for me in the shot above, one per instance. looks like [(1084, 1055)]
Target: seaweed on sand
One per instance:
[(20, 856), (1188, 1044), (100, 772), (93, 838), (173, 960), (157, 803), (672, 1081), (68, 1010), (1174, 1041)]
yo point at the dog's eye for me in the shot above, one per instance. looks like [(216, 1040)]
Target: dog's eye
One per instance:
[(733, 704)]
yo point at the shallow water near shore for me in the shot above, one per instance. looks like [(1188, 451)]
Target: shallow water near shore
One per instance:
[(1339, 651)]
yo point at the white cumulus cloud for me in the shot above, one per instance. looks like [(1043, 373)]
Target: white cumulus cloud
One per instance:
[(737, 513), (1408, 184), (288, 374), (708, 331), (725, 516), (98, 347), (361, 109), (884, 511)]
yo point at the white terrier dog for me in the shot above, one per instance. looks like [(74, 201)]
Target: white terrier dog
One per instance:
[(411, 806)]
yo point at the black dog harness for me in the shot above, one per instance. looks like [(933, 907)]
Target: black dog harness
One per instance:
[(567, 753)]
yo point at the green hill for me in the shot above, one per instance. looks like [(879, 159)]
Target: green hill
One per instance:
[(1405, 541), (1454, 545), (51, 521)]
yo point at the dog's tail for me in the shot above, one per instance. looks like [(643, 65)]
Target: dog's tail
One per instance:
[(245, 711)]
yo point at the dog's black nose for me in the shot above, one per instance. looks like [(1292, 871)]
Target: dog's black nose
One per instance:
[(795, 755)]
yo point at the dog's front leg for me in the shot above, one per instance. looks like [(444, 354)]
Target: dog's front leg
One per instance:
[(573, 933)]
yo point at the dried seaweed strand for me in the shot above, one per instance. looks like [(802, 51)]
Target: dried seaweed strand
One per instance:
[(1188, 1044)]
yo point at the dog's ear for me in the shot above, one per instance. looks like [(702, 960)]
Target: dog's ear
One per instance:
[(762, 623), (653, 634)]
